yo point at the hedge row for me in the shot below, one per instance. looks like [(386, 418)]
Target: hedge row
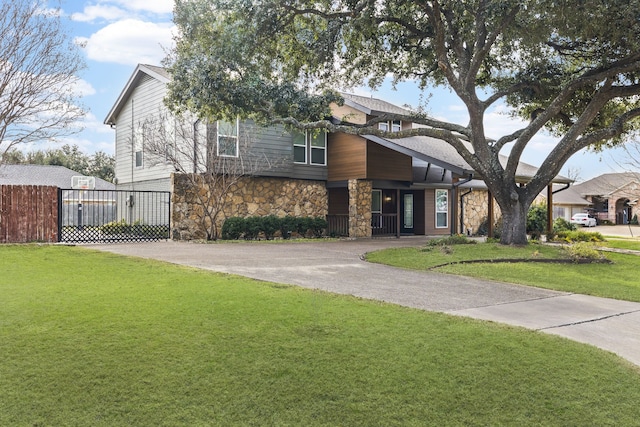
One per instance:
[(254, 227)]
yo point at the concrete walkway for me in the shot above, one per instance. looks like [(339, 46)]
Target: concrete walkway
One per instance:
[(338, 267)]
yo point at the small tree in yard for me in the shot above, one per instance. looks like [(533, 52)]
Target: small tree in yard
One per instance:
[(188, 146), (572, 68), (38, 75)]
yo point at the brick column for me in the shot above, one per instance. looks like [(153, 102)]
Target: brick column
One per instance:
[(360, 208)]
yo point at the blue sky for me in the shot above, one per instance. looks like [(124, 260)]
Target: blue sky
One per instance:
[(119, 34)]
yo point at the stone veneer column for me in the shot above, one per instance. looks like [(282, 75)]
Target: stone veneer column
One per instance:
[(360, 208)]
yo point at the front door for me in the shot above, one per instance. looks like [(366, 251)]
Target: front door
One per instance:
[(406, 217)]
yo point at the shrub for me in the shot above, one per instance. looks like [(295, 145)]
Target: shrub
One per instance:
[(252, 227), (318, 226), (303, 224), (578, 236), (634, 220), (583, 251), (115, 227), (270, 224), (233, 228), (483, 229), (561, 224), (537, 221), (287, 226), (456, 239)]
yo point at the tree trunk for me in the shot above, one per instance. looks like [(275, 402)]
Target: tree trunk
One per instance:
[(514, 224)]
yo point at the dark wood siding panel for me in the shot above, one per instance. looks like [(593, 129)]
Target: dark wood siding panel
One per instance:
[(338, 201), (346, 157), (430, 215), (386, 164), (419, 213)]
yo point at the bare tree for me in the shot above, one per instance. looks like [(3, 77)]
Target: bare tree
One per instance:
[(189, 147), (39, 64)]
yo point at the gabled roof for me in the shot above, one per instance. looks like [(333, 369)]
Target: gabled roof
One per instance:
[(57, 176), (372, 106), (607, 184), (442, 154), (157, 73)]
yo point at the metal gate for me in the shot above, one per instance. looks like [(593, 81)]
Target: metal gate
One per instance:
[(107, 216)]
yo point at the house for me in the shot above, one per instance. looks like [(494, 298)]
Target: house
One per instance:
[(364, 185), (566, 201), (613, 196)]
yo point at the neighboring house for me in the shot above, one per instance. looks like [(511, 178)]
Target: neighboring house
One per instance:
[(613, 196), (56, 176), (567, 201), (364, 185)]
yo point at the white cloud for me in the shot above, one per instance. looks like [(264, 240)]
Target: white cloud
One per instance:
[(130, 42), (84, 88), (95, 12), (155, 6)]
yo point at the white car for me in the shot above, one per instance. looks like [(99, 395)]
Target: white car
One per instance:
[(584, 220)]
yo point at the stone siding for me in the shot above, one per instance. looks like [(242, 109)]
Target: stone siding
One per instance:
[(360, 192), (476, 209), (249, 196)]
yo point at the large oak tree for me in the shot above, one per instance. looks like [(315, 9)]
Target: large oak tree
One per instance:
[(570, 67)]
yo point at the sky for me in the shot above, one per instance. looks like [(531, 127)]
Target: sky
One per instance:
[(119, 34)]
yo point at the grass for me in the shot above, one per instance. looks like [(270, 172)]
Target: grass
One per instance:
[(91, 338), (618, 280), (623, 243)]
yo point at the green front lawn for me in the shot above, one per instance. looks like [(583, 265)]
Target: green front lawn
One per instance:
[(96, 339), (618, 280)]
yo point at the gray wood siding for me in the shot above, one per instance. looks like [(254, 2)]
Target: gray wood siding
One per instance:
[(145, 101)]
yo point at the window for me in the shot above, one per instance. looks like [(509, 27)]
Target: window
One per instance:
[(313, 141), (384, 126), (376, 201), (228, 138), (138, 145), (299, 148), (442, 208), (318, 142), (396, 126)]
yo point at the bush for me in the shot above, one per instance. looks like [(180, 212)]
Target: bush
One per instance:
[(287, 226), (578, 236), (115, 227), (252, 227), (233, 228), (303, 224), (582, 251), (483, 229), (537, 221), (318, 226), (269, 225), (456, 239), (634, 220), (561, 224)]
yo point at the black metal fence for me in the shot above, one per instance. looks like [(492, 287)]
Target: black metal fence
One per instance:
[(103, 216)]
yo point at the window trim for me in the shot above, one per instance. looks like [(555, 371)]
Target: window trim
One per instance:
[(445, 211), (304, 145), (397, 123), (323, 148), (236, 136)]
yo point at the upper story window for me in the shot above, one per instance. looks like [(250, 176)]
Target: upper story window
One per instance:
[(228, 138), (393, 126), (310, 147), (299, 148)]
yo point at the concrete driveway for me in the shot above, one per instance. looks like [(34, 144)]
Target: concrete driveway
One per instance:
[(339, 267)]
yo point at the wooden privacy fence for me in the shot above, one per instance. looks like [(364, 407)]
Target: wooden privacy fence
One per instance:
[(28, 213)]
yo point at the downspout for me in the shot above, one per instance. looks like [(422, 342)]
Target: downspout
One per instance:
[(454, 201)]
